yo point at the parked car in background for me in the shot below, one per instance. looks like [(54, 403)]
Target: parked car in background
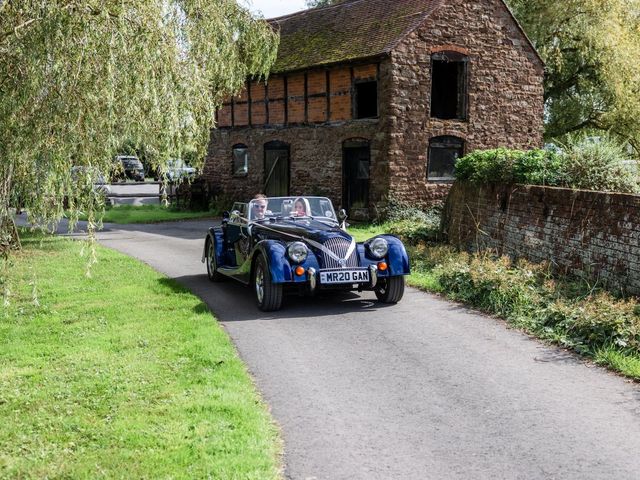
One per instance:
[(633, 166), (177, 170), (128, 167), (298, 245), (100, 184)]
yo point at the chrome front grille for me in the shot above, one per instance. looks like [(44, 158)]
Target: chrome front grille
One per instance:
[(339, 246)]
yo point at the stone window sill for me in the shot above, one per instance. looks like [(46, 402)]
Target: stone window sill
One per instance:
[(442, 181)]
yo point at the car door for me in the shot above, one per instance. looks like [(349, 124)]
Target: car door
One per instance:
[(237, 237)]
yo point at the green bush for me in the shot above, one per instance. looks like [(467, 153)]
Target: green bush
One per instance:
[(583, 162), (492, 284), (596, 321), (414, 232), (502, 165), (412, 224), (597, 164)]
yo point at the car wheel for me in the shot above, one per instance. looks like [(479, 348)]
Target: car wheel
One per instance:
[(390, 290), (212, 265), (268, 294)]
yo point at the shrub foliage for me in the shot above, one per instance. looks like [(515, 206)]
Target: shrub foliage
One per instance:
[(410, 223), (597, 165), (502, 165), (529, 296), (582, 163)]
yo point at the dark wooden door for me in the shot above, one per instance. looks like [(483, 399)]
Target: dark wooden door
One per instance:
[(356, 157), (276, 169)]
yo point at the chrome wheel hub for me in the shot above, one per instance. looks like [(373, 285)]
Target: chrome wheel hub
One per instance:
[(212, 259), (259, 284)]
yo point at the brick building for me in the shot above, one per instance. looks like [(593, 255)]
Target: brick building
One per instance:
[(372, 98)]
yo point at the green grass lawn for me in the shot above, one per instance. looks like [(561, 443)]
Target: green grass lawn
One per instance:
[(365, 231), (148, 214), (121, 375)]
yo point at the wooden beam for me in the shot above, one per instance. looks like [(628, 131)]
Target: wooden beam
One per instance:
[(286, 101), (353, 94), (306, 98), (266, 102), (328, 91), (248, 83)]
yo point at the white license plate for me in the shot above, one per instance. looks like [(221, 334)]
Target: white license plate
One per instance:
[(344, 276)]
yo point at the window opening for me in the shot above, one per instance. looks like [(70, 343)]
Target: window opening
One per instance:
[(449, 86), (443, 153), (366, 99), (240, 160)]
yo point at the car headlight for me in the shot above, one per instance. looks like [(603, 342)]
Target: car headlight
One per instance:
[(378, 247), (297, 252)]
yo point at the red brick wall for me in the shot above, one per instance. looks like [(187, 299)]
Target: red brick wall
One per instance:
[(305, 99), (340, 85), (589, 234)]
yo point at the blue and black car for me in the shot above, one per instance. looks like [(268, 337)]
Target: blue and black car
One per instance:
[(299, 245)]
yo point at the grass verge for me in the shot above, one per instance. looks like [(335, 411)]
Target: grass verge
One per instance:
[(148, 214), (124, 374), (569, 312)]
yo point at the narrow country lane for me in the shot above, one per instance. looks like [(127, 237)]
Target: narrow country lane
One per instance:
[(425, 389)]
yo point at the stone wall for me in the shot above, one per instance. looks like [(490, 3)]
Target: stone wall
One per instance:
[(587, 234), (315, 159), (505, 91)]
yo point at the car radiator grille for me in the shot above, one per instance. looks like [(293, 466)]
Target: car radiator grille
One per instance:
[(339, 246)]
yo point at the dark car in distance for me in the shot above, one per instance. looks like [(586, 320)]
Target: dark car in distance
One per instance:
[(128, 167), (299, 245)]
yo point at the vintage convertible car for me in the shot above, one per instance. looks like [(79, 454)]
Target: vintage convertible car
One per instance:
[(299, 245)]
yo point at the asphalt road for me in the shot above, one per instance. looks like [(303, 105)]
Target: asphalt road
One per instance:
[(424, 389), (135, 193)]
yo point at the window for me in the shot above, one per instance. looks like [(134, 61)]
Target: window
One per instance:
[(356, 162), (366, 99), (240, 160), (443, 153), (449, 86)]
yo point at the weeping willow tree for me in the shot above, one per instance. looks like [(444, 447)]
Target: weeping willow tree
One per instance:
[(319, 3), (592, 53), (78, 78)]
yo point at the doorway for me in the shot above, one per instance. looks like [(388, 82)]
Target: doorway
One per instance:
[(356, 159), (276, 169)]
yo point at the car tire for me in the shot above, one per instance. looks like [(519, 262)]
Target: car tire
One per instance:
[(212, 264), (268, 294), (390, 290)]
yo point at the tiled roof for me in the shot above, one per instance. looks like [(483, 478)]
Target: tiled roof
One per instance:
[(346, 31)]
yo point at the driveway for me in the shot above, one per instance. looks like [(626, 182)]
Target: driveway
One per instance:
[(425, 389), (135, 193)]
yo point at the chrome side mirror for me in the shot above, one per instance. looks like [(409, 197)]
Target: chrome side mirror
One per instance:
[(342, 217)]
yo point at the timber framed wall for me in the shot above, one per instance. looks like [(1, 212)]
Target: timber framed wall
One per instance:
[(299, 98)]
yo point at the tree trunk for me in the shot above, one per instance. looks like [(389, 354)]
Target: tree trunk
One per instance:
[(9, 237)]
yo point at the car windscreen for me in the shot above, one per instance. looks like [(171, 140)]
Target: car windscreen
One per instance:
[(315, 207), (130, 163)]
